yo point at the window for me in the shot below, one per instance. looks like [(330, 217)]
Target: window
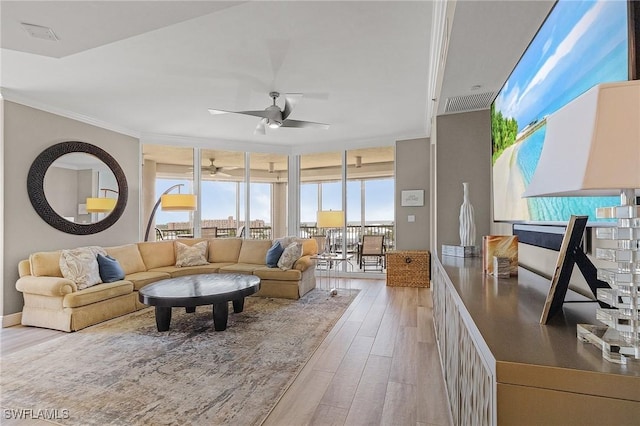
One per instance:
[(222, 193), (167, 168)]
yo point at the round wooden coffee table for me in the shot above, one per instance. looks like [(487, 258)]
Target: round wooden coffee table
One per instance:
[(196, 290)]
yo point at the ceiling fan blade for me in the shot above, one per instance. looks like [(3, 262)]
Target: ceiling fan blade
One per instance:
[(263, 113), (290, 101), (260, 128), (302, 124), (223, 174)]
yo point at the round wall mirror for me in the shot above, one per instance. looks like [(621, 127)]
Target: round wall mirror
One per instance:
[(67, 176)]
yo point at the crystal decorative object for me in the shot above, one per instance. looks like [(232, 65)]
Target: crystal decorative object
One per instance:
[(621, 233), (619, 339)]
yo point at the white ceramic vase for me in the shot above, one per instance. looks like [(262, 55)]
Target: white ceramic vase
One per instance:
[(467, 221)]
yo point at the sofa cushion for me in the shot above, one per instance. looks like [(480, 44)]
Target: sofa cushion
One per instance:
[(292, 253), (309, 246), (267, 273), (194, 255), (140, 279), (179, 271), (109, 268), (273, 255), (157, 254), (224, 250), (80, 265), (240, 268), (45, 264), (254, 251), (97, 293), (128, 256), (304, 263)]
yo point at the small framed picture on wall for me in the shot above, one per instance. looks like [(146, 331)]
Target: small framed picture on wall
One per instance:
[(412, 198)]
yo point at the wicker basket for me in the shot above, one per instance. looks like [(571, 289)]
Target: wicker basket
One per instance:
[(408, 268)]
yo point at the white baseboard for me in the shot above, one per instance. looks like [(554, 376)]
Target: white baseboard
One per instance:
[(11, 319)]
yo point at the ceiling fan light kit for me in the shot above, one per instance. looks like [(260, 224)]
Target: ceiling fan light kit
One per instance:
[(274, 117)]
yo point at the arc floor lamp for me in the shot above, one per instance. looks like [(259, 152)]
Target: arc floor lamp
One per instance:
[(171, 202)]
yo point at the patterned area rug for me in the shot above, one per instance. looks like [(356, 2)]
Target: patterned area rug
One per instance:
[(126, 372)]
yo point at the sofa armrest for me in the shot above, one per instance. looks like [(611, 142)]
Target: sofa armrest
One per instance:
[(304, 263), (46, 286)]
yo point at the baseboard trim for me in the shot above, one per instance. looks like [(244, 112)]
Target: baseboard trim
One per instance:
[(11, 319)]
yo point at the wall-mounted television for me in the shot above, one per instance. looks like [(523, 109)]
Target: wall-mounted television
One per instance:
[(579, 45)]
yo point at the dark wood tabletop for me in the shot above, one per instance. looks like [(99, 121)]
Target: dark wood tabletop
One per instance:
[(199, 289), (190, 291)]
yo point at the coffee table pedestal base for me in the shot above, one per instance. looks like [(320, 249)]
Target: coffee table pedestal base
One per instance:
[(220, 314), (163, 318)]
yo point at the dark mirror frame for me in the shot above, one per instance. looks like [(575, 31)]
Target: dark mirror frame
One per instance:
[(35, 187)]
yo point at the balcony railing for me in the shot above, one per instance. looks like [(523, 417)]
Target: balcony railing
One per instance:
[(256, 233), (353, 236)]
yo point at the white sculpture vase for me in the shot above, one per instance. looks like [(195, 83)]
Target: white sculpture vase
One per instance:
[(467, 221)]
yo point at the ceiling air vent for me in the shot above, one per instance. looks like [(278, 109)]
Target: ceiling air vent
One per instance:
[(469, 102), (38, 31)]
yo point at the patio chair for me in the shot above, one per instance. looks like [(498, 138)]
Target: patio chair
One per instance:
[(372, 252)]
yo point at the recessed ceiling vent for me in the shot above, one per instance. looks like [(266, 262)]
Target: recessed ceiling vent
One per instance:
[(38, 31), (469, 102)]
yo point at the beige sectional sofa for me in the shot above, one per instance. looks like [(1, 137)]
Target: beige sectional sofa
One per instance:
[(51, 301)]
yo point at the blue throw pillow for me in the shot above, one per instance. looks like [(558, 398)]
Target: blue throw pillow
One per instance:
[(273, 255), (110, 269)]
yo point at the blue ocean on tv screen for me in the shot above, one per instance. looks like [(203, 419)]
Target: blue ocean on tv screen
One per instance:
[(555, 209), (580, 45)]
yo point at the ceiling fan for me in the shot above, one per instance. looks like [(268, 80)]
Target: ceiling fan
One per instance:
[(216, 171), (274, 117)]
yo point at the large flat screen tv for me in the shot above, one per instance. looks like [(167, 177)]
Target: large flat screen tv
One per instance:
[(580, 44)]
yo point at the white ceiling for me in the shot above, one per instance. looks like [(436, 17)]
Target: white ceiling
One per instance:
[(153, 68)]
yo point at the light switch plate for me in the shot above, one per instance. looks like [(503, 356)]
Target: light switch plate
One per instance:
[(411, 218)]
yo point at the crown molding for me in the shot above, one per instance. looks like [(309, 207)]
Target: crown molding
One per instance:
[(200, 142), (13, 96)]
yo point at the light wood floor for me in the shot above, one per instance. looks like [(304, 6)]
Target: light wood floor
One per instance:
[(378, 366)]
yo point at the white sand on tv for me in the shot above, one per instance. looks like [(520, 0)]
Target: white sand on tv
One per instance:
[(508, 186)]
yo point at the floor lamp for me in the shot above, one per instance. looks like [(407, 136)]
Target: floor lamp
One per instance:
[(171, 202), (330, 219), (592, 148)]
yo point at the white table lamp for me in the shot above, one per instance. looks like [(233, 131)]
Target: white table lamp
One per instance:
[(592, 148), (330, 219)]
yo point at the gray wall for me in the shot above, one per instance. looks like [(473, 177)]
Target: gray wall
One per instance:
[(463, 154), (412, 172), (61, 187), (27, 132)]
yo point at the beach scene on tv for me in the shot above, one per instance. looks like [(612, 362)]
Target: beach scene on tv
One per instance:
[(581, 44)]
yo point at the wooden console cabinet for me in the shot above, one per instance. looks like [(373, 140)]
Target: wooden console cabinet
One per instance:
[(501, 367)]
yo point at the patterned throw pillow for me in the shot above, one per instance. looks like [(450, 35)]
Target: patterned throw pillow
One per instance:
[(194, 255), (81, 265), (289, 256)]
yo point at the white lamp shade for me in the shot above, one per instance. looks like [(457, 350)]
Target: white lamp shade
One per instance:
[(178, 202), (100, 205), (592, 145), (330, 219)]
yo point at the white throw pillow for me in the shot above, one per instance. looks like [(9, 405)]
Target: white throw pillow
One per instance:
[(80, 265), (289, 256), (194, 255)]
